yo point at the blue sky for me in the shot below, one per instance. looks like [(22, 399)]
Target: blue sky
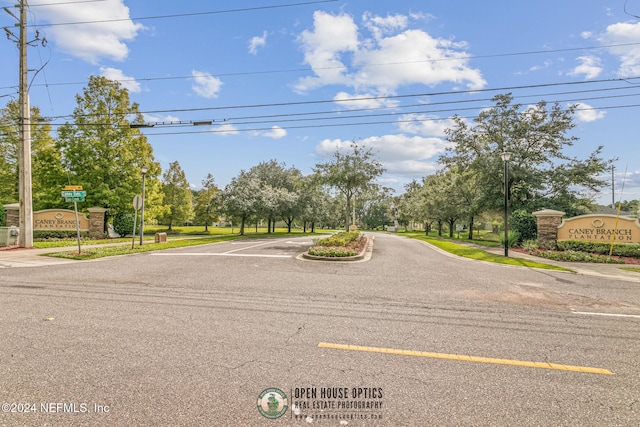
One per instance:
[(278, 78)]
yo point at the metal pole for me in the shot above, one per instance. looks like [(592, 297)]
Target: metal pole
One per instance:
[(133, 240), (25, 197), (506, 208), (75, 208), (144, 174)]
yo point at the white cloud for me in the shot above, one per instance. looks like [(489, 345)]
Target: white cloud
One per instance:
[(395, 56), (629, 56), (380, 26), (331, 36), (92, 41), (407, 156), (422, 124), (206, 85), (161, 119), (276, 132), (257, 42), (586, 113), (352, 102), (590, 67), (226, 129), (117, 75)]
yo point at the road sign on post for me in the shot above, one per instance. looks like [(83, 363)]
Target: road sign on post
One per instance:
[(137, 202), (74, 193)]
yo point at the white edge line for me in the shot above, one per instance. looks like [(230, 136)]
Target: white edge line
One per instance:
[(223, 254), (587, 313)]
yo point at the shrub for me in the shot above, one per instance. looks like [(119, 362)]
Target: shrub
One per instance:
[(524, 223), (512, 240), (340, 239), (123, 224), (530, 246), (601, 248), (57, 234), (332, 251), (3, 217), (576, 256)]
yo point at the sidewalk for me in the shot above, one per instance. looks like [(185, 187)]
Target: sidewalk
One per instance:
[(20, 257), (612, 271)]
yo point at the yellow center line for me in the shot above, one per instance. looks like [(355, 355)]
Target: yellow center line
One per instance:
[(540, 365)]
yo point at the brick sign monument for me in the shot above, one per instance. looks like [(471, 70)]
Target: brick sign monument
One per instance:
[(61, 219), (594, 228)]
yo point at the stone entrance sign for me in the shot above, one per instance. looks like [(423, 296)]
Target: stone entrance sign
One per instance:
[(600, 228), (59, 219), (594, 228)]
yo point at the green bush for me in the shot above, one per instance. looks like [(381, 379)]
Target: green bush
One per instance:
[(3, 217), (512, 240), (58, 234), (576, 256), (525, 224), (340, 239), (123, 224), (601, 248), (530, 246), (332, 251)]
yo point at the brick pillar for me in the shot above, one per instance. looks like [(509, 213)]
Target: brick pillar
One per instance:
[(96, 222), (548, 222), (13, 214)]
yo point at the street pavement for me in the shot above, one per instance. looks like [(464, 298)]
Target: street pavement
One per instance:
[(203, 335), (13, 258)]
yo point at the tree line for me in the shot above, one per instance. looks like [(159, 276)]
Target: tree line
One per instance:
[(102, 149)]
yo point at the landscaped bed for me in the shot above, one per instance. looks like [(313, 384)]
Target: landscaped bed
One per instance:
[(344, 245)]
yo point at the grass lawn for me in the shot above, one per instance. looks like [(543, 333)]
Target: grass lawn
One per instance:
[(634, 269), (479, 254)]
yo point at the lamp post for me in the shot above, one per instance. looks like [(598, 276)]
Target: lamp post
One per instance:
[(144, 174), (506, 156)]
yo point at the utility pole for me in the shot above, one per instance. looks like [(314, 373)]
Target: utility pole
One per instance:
[(613, 187), (25, 197)]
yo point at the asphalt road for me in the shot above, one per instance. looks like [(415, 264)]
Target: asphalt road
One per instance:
[(411, 337)]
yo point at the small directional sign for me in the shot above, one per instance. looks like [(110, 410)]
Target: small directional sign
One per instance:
[(73, 187), (74, 199), (74, 193)]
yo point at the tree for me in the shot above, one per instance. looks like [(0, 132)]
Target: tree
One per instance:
[(314, 201), (103, 153), (373, 207), (204, 206), (177, 196), (47, 175), (351, 174), (242, 198), (541, 174), (280, 191)]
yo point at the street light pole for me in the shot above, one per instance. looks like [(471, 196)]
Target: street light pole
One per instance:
[(144, 174), (506, 156)]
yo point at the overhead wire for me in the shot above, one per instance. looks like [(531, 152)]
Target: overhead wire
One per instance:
[(181, 15)]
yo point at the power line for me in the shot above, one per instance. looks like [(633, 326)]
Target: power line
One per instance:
[(381, 64), (181, 15)]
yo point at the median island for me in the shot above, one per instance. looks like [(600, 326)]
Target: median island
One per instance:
[(343, 246)]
